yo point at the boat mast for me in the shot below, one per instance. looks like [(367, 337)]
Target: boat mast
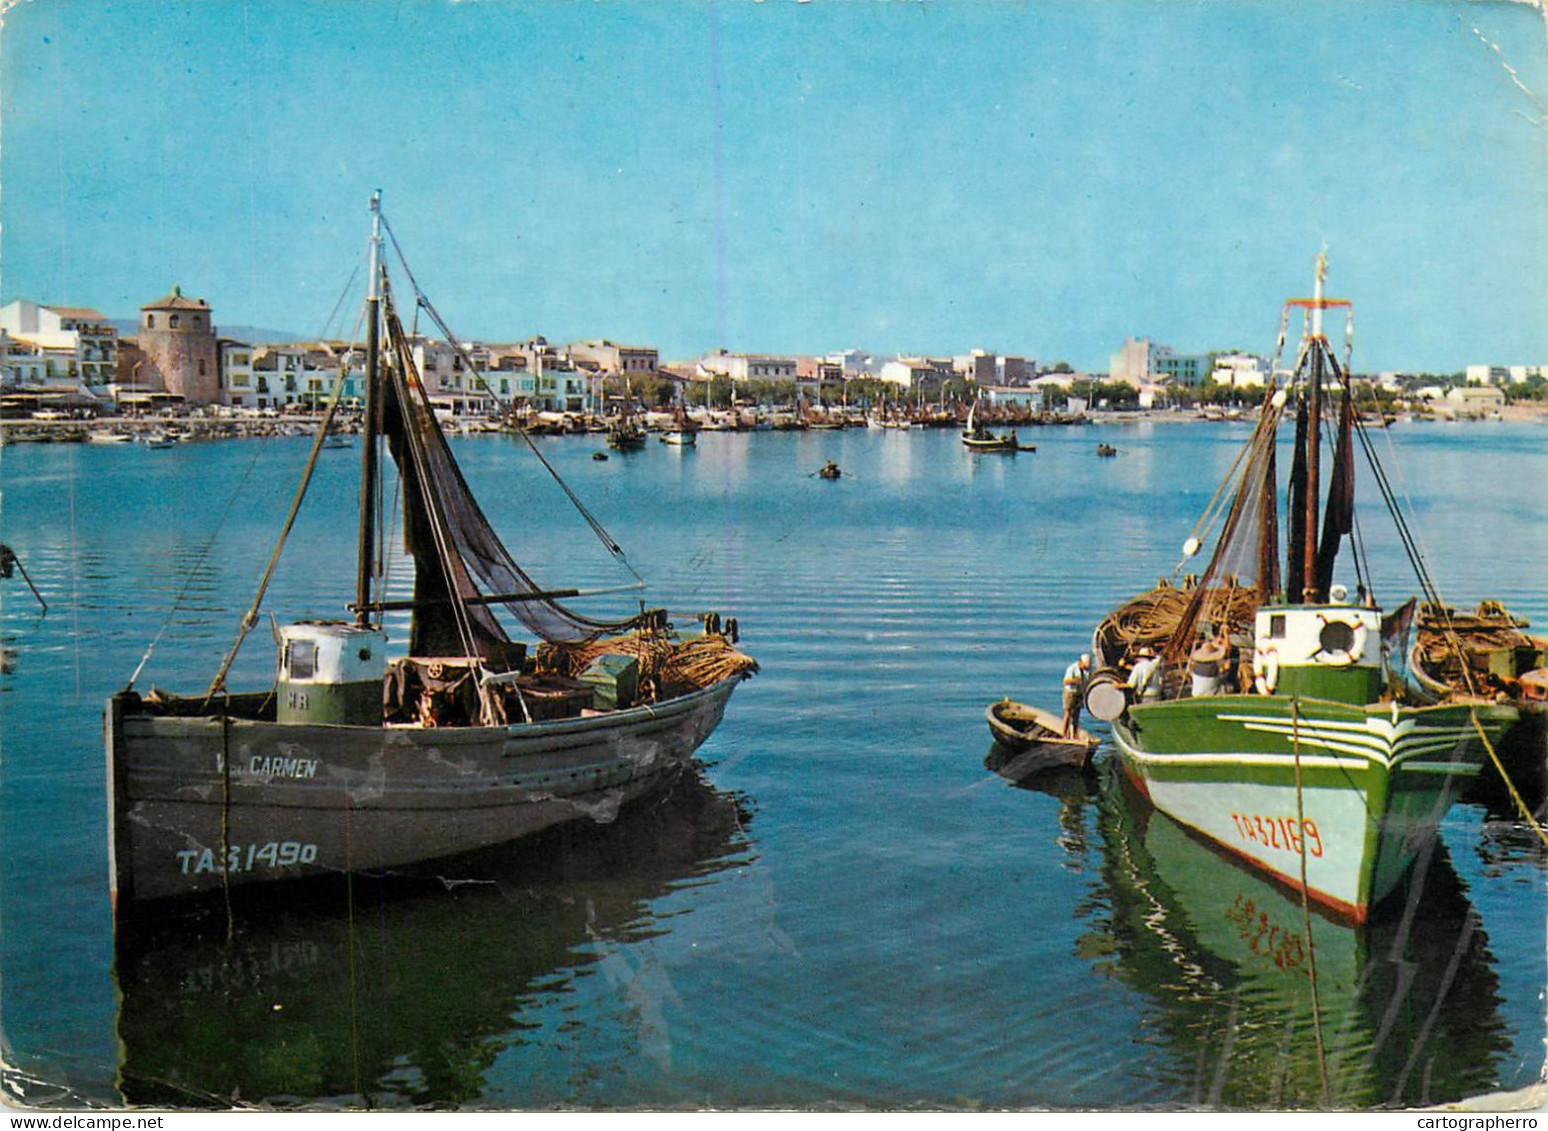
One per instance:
[(366, 546), (1308, 516)]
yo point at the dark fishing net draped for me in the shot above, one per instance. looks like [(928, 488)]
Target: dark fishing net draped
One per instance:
[(461, 568), (1243, 572), (1338, 521), (1248, 551)]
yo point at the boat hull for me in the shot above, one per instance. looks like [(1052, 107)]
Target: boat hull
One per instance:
[(1355, 793), (1028, 731), (199, 803)]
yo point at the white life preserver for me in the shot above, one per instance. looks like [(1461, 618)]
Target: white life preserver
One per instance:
[(1265, 670), (1340, 657)]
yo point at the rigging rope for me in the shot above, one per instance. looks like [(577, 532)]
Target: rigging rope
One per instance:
[(250, 618), (194, 570), (1515, 796), (423, 301)]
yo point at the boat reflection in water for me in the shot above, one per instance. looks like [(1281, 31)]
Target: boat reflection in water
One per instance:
[(398, 993), (1253, 1001)]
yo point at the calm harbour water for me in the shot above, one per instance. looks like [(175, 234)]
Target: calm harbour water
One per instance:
[(845, 907)]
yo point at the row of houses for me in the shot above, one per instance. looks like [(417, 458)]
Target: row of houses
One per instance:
[(176, 354)]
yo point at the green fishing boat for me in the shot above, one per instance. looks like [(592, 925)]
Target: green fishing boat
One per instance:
[(1275, 718)]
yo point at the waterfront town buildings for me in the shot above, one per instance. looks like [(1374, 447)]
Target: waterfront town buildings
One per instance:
[(977, 366), (740, 367), (74, 357), (1504, 374), (854, 363), (610, 357), (1141, 361), (1132, 362), (70, 350), (1471, 402), (912, 372)]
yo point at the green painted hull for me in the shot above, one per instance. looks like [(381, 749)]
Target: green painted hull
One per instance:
[(1336, 799)]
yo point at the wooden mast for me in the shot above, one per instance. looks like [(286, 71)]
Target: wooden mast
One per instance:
[(365, 548), (1308, 516)]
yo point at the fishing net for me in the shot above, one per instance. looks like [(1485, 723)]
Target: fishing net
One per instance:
[(462, 568), (665, 660)]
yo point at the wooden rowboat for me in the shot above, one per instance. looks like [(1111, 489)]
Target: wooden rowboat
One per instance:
[(1023, 729)]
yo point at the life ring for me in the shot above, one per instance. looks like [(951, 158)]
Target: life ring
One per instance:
[(1265, 670), (1341, 656)]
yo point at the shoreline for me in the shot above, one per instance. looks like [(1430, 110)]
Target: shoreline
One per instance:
[(200, 427)]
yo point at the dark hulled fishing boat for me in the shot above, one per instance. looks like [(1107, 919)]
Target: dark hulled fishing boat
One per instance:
[(1283, 732), (353, 762), (626, 434)]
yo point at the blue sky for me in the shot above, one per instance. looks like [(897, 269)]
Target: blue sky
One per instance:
[(1039, 178)]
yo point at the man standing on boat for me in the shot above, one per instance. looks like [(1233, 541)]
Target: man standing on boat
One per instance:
[(1142, 677), (1074, 689)]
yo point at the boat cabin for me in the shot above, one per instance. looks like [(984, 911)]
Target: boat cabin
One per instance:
[(330, 672), (1330, 651)]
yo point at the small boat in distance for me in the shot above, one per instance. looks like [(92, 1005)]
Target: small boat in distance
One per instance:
[(1022, 729), (682, 433), (977, 438), (626, 433), (356, 761), (830, 470), (1106, 451)]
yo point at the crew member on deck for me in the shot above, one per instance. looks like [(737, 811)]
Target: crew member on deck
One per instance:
[(1144, 677), (1074, 688)]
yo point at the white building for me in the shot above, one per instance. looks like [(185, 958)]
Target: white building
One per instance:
[(78, 345), (747, 367), (854, 363), (238, 388), (22, 364), (911, 372), (1503, 374), (1136, 360), (1239, 371), (1017, 396)]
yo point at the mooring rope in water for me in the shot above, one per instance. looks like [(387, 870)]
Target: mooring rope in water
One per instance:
[(1306, 924), (225, 820), (349, 898), (1510, 786)]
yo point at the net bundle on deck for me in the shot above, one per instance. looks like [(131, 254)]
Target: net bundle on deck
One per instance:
[(1154, 618), (699, 662), (1453, 647)]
